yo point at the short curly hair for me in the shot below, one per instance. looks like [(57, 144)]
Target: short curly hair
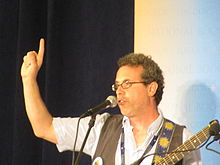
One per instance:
[(152, 71)]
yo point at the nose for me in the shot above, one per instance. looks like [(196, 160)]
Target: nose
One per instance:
[(120, 91)]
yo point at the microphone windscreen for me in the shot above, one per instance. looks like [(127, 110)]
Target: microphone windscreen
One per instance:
[(113, 101)]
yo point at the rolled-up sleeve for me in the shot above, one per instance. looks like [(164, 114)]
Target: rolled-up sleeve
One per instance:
[(65, 132)]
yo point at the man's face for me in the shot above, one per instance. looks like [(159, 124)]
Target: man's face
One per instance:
[(133, 100)]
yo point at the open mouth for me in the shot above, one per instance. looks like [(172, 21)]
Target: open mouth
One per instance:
[(121, 101)]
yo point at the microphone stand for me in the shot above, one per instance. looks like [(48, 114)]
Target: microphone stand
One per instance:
[(91, 124)]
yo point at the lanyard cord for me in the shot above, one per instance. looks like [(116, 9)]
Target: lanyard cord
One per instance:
[(149, 147)]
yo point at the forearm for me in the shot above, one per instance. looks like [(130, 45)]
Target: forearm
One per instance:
[(40, 118)]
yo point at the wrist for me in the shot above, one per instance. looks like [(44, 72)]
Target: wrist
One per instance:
[(29, 80)]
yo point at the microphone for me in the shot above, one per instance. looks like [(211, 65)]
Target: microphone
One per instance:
[(111, 101)]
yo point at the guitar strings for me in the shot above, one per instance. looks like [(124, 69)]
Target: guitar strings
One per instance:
[(178, 151)]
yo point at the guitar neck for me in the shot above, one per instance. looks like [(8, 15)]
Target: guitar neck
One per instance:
[(190, 144)]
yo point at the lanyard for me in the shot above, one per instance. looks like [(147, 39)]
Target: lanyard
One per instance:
[(149, 147)]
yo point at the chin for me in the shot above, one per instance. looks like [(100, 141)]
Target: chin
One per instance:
[(125, 113)]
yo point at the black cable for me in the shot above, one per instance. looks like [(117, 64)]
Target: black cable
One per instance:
[(217, 137), (74, 147)]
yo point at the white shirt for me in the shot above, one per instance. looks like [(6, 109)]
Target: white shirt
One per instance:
[(65, 130)]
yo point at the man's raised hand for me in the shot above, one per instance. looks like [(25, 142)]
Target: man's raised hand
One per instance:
[(32, 62)]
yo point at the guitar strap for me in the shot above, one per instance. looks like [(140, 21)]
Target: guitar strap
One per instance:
[(170, 138)]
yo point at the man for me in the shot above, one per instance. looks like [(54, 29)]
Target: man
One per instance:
[(120, 139)]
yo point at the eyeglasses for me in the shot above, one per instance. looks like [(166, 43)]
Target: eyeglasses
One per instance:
[(125, 84)]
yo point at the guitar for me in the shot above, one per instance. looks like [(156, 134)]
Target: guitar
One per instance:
[(190, 144)]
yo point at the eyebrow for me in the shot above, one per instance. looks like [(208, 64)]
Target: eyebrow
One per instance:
[(123, 80)]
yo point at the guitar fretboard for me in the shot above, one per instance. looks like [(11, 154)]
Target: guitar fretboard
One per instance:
[(190, 144)]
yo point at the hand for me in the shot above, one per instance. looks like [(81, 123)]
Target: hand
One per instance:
[(32, 62)]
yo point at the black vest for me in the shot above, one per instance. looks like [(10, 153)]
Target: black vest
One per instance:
[(109, 138)]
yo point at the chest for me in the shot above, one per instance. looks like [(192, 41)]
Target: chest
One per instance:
[(139, 137), (135, 145)]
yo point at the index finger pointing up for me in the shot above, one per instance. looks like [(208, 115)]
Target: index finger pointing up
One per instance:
[(40, 55)]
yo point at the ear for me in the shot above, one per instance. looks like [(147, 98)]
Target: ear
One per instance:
[(152, 88)]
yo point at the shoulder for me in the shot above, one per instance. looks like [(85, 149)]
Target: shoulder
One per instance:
[(178, 127), (113, 120), (107, 120), (115, 117)]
